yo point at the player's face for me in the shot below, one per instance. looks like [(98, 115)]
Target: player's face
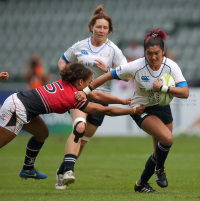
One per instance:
[(100, 30), (82, 84), (154, 55)]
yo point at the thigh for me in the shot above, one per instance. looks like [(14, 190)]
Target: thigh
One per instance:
[(38, 128), (156, 128), (75, 113), (5, 136), (90, 129)]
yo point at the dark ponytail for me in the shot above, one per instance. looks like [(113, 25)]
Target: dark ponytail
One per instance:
[(75, 71), (155, 37)]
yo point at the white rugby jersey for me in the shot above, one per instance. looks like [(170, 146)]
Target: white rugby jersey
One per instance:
[(83, 51), (144, 77)]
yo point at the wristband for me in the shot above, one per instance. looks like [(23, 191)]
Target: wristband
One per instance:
[(134, 108), (164, 89), (107, 70), (168, 90), (87, 90)]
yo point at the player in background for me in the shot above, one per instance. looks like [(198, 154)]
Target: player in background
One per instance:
[(21, 111), (100, 55), (4, 76), (156, 120)]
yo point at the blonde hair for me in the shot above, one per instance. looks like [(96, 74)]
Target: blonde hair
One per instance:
[(99, 14)]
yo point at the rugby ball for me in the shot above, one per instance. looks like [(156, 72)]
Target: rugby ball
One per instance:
[(161, 97)]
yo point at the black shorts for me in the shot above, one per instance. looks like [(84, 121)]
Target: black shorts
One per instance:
[(96, 119), (162, 112)]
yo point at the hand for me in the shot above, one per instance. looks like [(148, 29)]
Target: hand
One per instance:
[(138, 109), (157, 84), (101, 65), (126, 101), (4, 76), (80, 95)]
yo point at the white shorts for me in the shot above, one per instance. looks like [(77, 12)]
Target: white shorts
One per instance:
[(13, 114)]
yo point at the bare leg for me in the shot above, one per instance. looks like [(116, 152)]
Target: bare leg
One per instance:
[(90, 130), (5, 136)]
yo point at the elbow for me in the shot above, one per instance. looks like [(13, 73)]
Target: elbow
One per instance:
[(187, 94)]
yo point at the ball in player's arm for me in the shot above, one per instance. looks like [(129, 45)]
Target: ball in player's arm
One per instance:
[(21, 111), (4, 76), (156, 120), (100, 55)]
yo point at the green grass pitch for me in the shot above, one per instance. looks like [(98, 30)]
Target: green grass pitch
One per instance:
[(107, 170)]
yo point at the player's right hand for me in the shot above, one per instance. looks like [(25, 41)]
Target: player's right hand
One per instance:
[(80, 95), (138, 109)]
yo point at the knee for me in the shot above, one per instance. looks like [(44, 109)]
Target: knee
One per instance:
[(80, 128), (168, 139), (45, 135)]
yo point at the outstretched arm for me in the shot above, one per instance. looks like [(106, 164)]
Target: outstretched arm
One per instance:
[(94, 108), (101, 80), (104, 98)]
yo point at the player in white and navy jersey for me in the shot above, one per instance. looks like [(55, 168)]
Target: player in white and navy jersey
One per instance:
[(100, 55), (156, 120), (21, 111)]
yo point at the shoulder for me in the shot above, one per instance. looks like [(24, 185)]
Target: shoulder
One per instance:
[(81, 43), (171, 64), (139, 63), (112, 45)]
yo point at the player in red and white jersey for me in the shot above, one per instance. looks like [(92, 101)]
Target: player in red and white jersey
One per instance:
[(58, 97), (21, 111)]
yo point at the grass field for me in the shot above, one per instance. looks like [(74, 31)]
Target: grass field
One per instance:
[(107, 170)]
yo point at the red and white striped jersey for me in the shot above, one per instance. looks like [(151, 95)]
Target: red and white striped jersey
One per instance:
[(59, 97)]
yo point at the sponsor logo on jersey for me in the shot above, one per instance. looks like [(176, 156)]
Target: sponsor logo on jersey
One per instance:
[(145, 78), (104, 55), (85, 52)]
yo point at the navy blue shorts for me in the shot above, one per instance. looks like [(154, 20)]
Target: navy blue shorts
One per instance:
[(96, 119), (162, 112)]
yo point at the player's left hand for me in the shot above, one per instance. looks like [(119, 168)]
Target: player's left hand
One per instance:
[(101, 65), (126, 101), (157, 84), (80, 95)]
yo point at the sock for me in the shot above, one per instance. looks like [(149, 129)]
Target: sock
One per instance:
[(61, 168), (69, 162), (161, 154), (148, 171), (32, 149)]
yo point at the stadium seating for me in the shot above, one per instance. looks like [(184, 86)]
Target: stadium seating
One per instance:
[(49, 27)]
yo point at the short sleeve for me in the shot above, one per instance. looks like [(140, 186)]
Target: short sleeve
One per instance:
[(119, 58), (177, 74), (124, 71), (69, 54)]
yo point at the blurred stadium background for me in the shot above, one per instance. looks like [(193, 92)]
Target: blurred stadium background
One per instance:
[(49, 27)]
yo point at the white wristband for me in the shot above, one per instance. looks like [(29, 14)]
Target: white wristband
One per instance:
[(134, 108), (87, 90), (164, 89)]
